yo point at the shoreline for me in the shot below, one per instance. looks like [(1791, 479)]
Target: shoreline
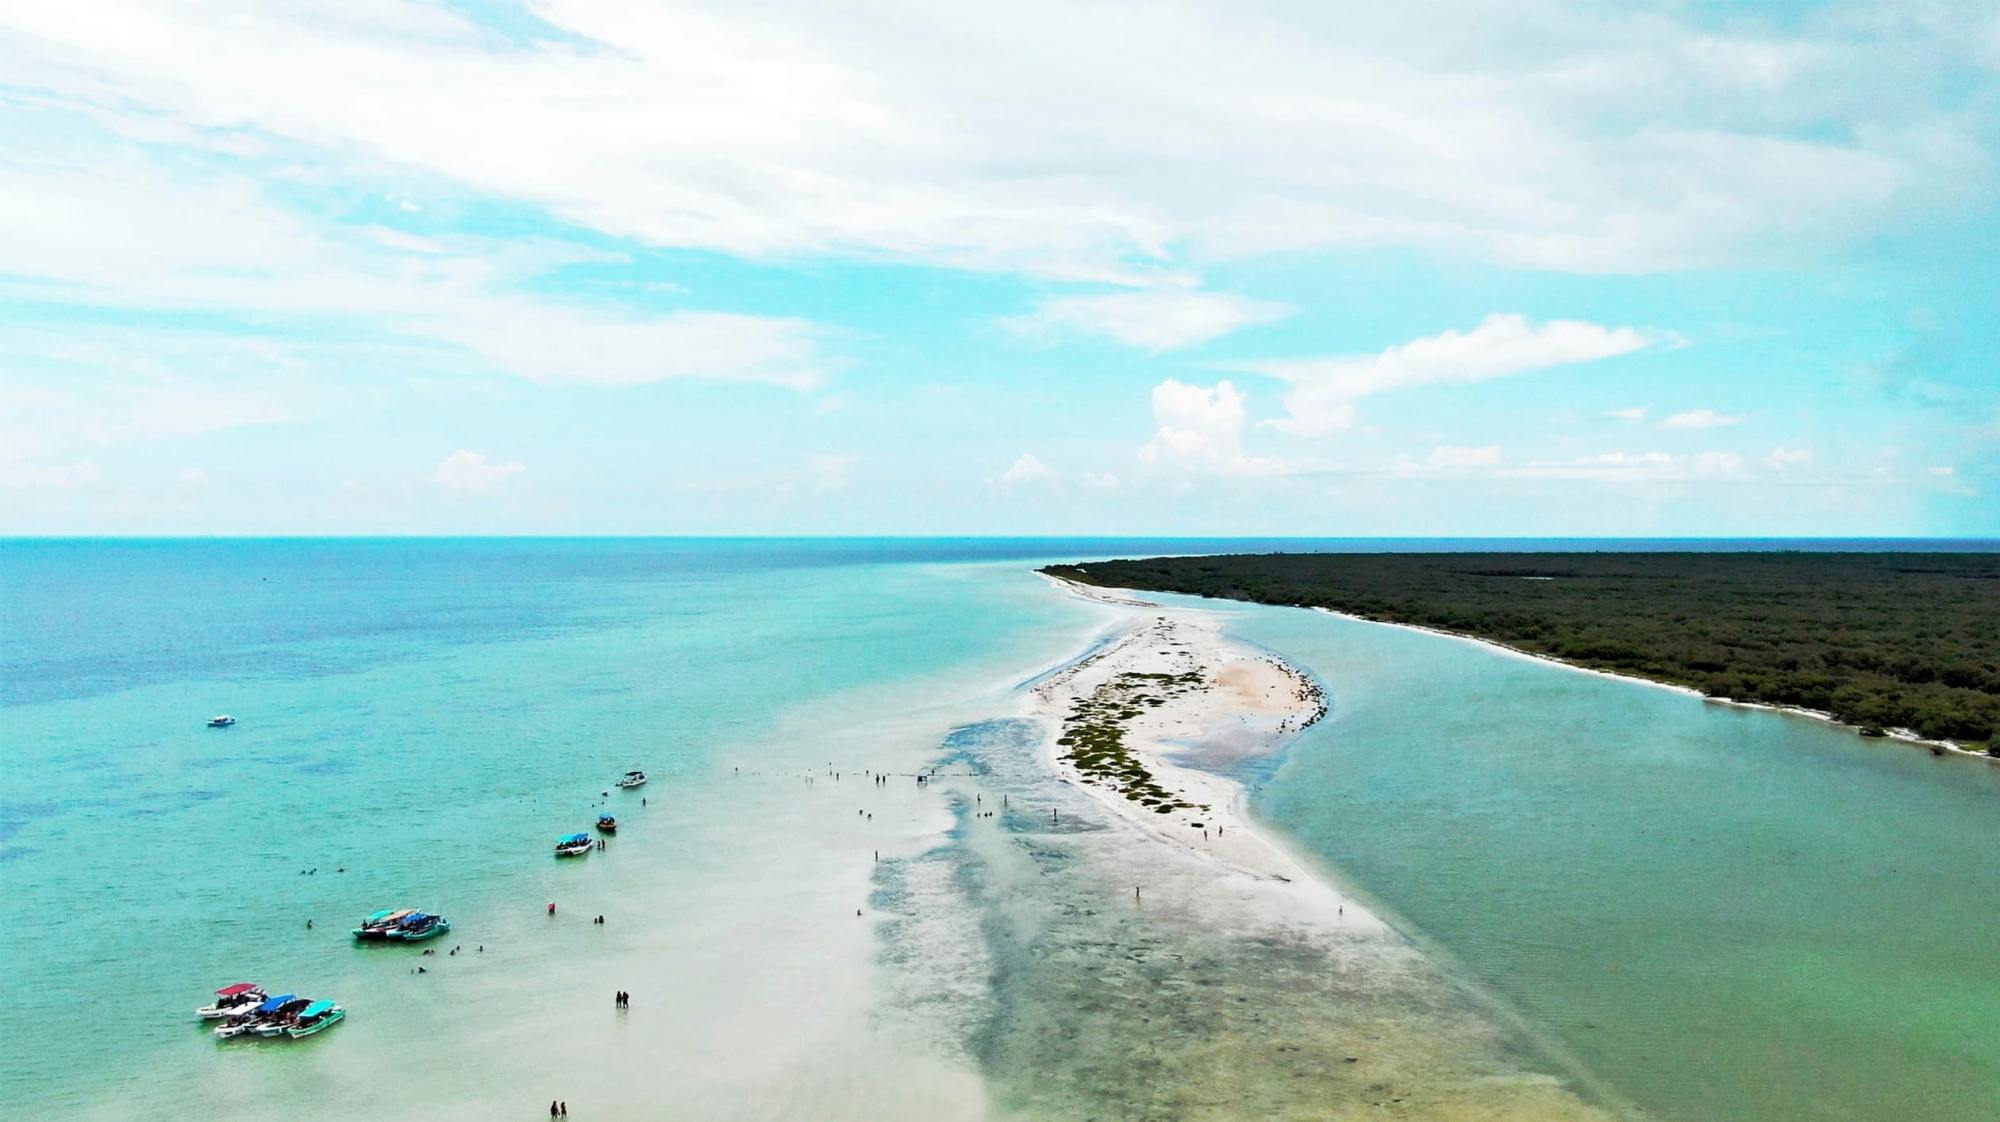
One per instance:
[(1900, 735), (1216, 824)]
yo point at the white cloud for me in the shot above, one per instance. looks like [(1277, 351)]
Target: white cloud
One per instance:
[(1027, 469), (126, 233), (1202, 427), (1325, 391), (1639, 467), (1634, 414), (50, 477), (1943, 472), (1072, 140), (1785, 459), (1702, 419), (191, 477), (473, 472), (1448, 457), (1156, 319), (1102, 481)]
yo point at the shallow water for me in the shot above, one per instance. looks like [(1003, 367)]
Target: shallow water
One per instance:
[(429, 716), (1724, 913)]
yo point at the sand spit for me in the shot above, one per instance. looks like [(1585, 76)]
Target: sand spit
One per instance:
[(1155, 954)]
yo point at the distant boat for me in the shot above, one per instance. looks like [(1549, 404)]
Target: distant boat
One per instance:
[(251, 1020), (283, 1018), (318, 1016), (419, 926), (633, 778), (607, 823), (575, 845), (221, 722), (231, 1000), (379, 925)]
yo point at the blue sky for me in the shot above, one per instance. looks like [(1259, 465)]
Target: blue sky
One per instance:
[(382, 266)]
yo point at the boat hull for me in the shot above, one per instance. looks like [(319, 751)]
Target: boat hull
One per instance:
[(300, 1032)]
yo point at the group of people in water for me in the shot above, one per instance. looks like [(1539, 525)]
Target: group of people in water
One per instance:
[(624, 1000)]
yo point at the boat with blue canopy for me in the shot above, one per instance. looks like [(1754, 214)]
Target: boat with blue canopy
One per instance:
[(607, 824), (418, 926), (575, 845), (250, 1020)]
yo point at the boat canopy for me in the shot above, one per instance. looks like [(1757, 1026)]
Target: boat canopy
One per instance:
[(576, 838), (385, 913), (232, 991), (272, 1004), (315, 1009), (606, 818), (415, 918), (633, 772)]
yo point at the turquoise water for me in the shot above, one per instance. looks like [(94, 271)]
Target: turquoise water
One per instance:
[(1726, 914), (428, 717)]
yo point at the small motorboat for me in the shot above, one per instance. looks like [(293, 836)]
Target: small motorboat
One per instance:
[(249, 1021), (379, 925), (575, 845), (285, 1017), (222, 722), (318, 1016), (633, 778), (231, 1000), (419, 926), (607, 824)]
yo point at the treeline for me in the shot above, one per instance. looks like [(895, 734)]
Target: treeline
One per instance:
[(1880, 640)]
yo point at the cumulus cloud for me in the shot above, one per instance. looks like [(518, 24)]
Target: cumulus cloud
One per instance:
[(1155, 319), (1027, 469), (1702, 419), (473, 473), (1325, 391), (1640, 467), (1202, 427)]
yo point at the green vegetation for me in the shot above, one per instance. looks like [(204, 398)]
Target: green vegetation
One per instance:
[(1093, 735), (1879, 640)]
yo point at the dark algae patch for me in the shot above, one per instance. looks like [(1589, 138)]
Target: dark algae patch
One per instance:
[(1093, 734), (1881, 641)]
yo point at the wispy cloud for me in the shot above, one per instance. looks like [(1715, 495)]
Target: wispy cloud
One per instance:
[(1325, 391), (1702, 419), (473, 473), (1155, 319), (1633, 415), (1063, 140)]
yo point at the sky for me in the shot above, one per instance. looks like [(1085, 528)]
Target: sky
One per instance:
[(1531, 268)]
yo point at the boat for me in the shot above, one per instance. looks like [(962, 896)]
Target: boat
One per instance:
[(607, 824), (574, 845), (285, 1017), (222, 722), (248, 1021), (418, 926), (318, 1016), (379, 925), (633, 778), (231, 1000)]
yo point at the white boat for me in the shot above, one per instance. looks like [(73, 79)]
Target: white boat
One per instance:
[(222, 722), (575, 845), (633, 778), (231, 1000)]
